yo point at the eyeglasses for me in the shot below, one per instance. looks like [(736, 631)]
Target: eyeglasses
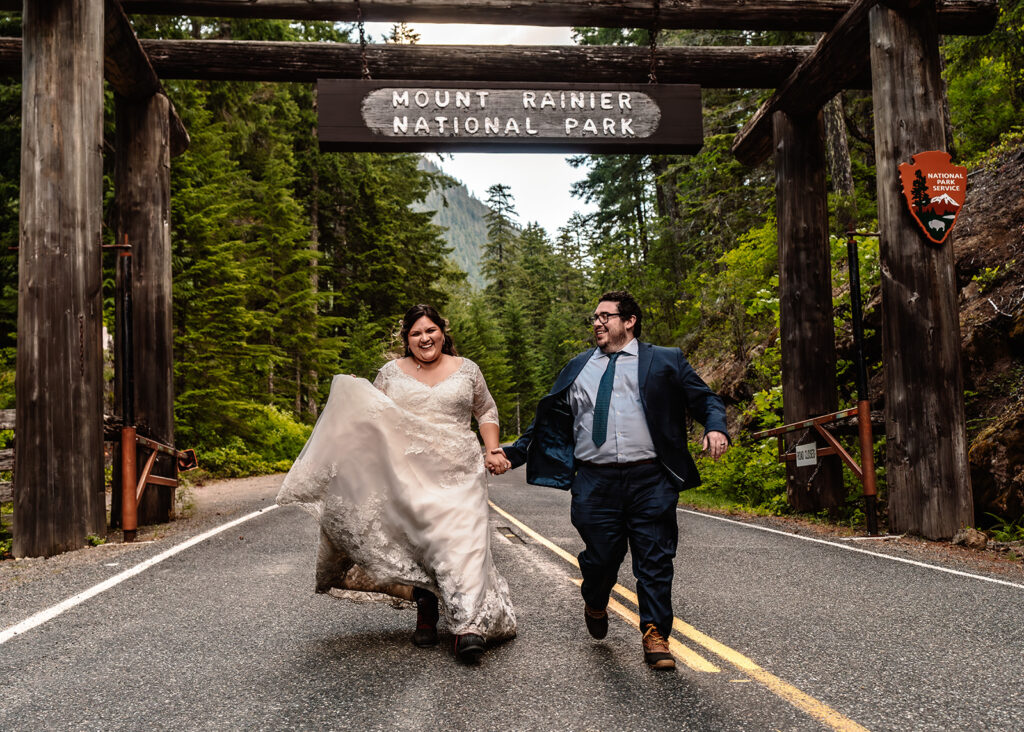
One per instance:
[(603, 317)]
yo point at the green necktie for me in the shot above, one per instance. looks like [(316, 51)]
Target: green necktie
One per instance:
[(604, 397)]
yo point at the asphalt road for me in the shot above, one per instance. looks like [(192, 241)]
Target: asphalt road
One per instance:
[(780, 633)]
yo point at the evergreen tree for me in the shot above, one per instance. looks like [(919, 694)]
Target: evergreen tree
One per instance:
[(502, 232), (10, 175), (919, 190), (478, 337)]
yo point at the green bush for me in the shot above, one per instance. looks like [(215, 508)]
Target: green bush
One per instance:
[(264, 439), (234, 461), (750, 475)]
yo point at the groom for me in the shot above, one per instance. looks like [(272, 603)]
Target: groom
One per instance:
[(613, 430)]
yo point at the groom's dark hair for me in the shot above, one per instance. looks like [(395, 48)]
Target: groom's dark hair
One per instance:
[(627, 307), (418, 311)]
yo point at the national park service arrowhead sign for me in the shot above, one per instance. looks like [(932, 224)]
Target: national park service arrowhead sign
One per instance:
[(935, 191)]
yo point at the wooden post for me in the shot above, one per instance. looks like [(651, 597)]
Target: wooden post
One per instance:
[(142, 184), (806, 327), (58, 477), (926, 461)]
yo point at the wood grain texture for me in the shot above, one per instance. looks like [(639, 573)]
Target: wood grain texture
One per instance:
[(142, 202), (926, 461), (957, 16), (708, 66), (837, 61), (806, 329), (58, 472), (125, 72), (367, 115), (129, 72)]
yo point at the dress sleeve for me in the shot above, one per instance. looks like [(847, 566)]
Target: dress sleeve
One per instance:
[(484, 408), (381, 382)]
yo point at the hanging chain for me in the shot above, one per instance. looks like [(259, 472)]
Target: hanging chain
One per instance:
[(652, 35), (798, 441), (817, 463), (362, 41)]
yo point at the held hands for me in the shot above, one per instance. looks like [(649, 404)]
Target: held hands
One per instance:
[(496, 461), (715, 444)]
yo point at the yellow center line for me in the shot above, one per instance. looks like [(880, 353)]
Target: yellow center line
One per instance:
[(804, 702), (685, 654)]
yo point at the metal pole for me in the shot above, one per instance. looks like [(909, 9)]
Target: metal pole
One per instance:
[(129, 503), (867, 458)]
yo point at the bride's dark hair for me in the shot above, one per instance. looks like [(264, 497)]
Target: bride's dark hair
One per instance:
[(415, 313)]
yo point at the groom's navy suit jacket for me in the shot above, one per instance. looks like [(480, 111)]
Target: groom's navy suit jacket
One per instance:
[(669, 390)]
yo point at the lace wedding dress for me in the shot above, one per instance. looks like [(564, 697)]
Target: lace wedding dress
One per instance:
[(397, 481)]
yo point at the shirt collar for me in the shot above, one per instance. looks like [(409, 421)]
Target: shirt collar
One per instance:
[(632, 348)]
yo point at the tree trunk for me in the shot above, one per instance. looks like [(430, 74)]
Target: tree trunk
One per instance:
[(58, 478), (805, 301), (840, 167), (926, 461), (838, 149)]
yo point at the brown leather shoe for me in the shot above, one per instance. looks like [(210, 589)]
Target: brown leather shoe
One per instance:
[(596, 620), (656, 652)]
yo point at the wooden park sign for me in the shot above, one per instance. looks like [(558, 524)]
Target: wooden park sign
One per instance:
[(401, 116)]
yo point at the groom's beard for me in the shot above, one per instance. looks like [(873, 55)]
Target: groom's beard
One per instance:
[(615, 342)]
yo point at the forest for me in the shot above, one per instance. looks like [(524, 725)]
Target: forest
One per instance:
[(291, 265)]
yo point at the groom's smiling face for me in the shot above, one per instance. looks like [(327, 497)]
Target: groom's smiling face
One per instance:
[(614, 334)]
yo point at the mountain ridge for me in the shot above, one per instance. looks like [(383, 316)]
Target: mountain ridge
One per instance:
[(463, 217)]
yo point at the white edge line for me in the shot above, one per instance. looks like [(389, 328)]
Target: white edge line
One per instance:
[(848, 548), (50, 613)]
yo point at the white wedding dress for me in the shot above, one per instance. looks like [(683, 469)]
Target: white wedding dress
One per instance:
[(396, 478)]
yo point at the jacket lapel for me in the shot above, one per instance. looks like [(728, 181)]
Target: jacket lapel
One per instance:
[(571, 371), (643, 366)]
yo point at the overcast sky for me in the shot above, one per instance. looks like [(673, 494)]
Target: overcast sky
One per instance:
[(539, 183)]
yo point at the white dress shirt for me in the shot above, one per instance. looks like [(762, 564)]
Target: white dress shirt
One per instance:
[(628, 438)]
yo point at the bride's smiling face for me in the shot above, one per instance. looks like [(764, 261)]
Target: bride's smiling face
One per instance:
[(425, 340)]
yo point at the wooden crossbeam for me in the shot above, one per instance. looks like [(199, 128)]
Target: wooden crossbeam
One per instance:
[(955, 16), (128, 71), (126, 67), (762, 67), (836, 61), (709, 66)]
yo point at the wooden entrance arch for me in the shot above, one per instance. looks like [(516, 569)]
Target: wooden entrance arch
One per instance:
[(67, 45)]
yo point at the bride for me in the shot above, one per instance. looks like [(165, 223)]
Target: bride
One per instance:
[(397, 481)]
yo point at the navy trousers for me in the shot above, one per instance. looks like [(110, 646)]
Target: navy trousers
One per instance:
[(613, 507)]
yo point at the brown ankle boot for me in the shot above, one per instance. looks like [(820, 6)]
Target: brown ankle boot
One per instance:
[(596, 621), (426, 621), (656, 652)]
